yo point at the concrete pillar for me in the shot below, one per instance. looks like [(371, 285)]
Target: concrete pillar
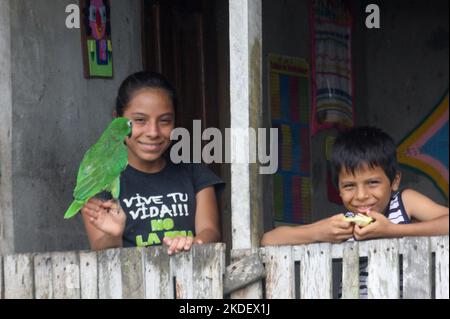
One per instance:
[(246, 108), (6, 216)]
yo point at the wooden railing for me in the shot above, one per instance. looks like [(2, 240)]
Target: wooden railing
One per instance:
[(116, 273), (416, 267)]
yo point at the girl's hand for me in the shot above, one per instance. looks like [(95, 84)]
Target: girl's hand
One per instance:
[(381, 227), (334, 229), (180, 243), (106, 216)]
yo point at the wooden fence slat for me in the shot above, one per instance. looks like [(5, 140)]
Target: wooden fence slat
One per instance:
[(109, 274), (316, 272), (158, 279), (88, 275), (442, 277), (133, 283), (181, 267), (384, 270), (18, 276), (280, 272), (416, 268), (208, 266), (1, 278), (350, 270), (43, 283), (66, 275)]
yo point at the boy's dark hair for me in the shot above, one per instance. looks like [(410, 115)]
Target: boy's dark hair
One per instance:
[(364, 145), (142, 80)]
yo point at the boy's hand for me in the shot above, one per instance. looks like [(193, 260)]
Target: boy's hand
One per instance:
[(334, 229), (106, 216), (180, 243), (381, 227)]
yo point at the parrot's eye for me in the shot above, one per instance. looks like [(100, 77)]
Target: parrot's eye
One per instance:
[(129, 123)]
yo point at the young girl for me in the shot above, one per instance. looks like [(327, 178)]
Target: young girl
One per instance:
[(160, 202)]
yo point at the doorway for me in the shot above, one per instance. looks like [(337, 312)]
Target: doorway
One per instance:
[(187, 41)]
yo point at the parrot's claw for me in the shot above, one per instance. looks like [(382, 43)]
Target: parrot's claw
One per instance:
[(116, 206)]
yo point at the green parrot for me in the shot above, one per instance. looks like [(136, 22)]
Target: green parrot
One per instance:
[(102, 165)]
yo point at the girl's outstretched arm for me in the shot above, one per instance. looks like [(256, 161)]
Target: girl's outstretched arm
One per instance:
[(207, 226)]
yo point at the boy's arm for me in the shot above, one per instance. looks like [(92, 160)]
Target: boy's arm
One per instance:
[(432, 217), (432, 220), (332, 229), (421, 207)]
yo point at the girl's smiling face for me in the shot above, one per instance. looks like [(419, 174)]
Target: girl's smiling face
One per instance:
[(152, 114), (367, 189)]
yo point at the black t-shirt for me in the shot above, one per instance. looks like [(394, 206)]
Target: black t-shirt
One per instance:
[(163, 203)]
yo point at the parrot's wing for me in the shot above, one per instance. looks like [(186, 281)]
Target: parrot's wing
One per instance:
[(90, 182), (114, 188), (100, 170)]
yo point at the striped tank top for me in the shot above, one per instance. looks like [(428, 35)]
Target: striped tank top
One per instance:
[(396, 214)]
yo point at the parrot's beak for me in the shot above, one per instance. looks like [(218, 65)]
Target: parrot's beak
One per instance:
[(131, 130)]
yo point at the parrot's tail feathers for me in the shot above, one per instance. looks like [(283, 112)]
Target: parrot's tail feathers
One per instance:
[(73, 209)]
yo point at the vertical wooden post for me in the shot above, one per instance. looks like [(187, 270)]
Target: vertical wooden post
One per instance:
[(88, 275), (132, 267), (1, 278), (208, 267), (316, 271), (442, 276), (384, 274), (43, 281), (416, 267), (350, 271), (66, 275), (109, 274), (18, 276), (245, 107), (158, 279), (280, 278), (181, 267)]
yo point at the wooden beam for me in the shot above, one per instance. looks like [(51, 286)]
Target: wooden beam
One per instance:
[(242, 273), (245, 113)]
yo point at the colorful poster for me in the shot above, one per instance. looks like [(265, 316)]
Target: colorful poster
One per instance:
[(331, 56), (425, 149), (96, 38), (289, 103)]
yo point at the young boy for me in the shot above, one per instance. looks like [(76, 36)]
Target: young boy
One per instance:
[(364, 159)]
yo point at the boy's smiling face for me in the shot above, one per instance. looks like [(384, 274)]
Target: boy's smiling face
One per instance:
[(367, 189)]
